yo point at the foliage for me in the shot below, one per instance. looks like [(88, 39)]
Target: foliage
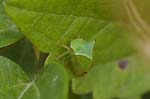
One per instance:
[(74, 49)]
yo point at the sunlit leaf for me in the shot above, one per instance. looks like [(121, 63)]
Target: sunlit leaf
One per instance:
[(50, 24)]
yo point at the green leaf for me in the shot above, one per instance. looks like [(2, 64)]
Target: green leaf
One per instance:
[(13, 79), (138, 81), (123, 79), (102, 86), (52, 82), (9, 34), (50, 24), (83, 48), (112, 43)]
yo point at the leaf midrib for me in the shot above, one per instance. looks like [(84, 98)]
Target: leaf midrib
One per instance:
[(27, 87)]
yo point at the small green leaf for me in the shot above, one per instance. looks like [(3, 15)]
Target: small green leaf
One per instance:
[(82, 47)]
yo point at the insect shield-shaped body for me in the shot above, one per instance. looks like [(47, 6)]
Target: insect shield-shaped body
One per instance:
[(81, 58), (80, 65)]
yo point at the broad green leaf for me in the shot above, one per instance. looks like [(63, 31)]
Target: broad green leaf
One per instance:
[(59, 22), (112, 43), (23, 54), (9, 34), (83, 48), (51, 83), (12, 79), (124, 78), (58, 82), (138, 80), (50, 24)]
